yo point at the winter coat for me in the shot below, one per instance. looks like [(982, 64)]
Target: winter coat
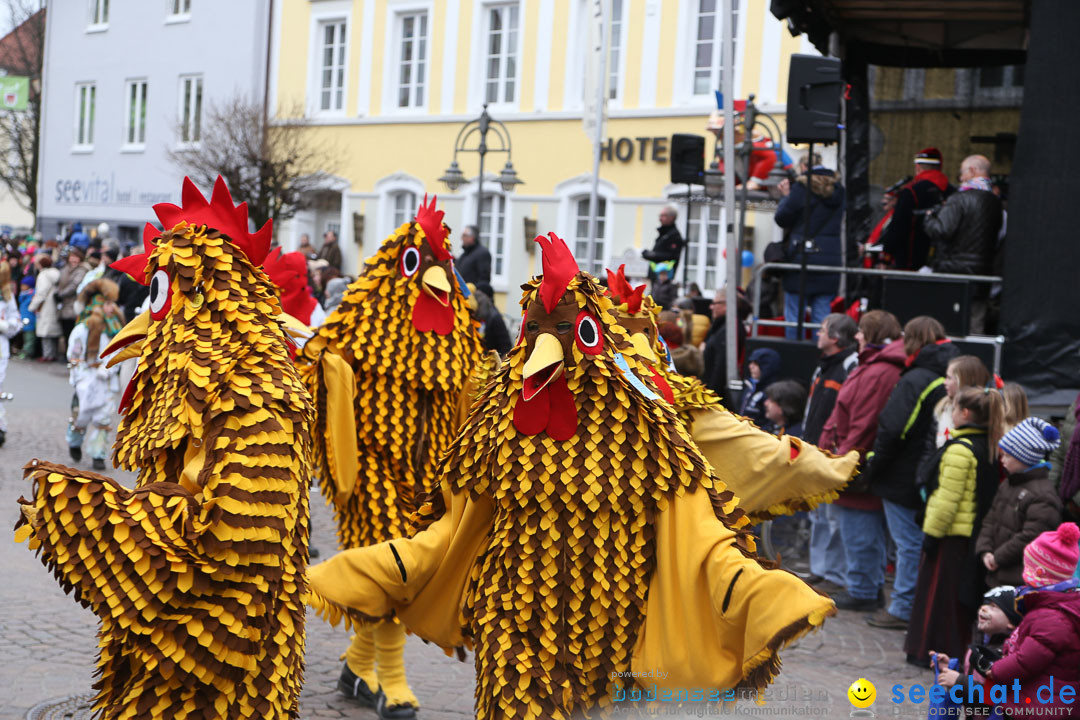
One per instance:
[(959, 501), (10, 324), (826, 214), (688, 360), (331, 253), (964, 233), (825, 385), (1025, 505), (904, 423), (905, 238), (853, 423), (474, 264), (665, 294), (715, 377), (45, 304), (1047, 646), (753, 401), (667, 247), (29, 319), (1057, 458), (68, 289)]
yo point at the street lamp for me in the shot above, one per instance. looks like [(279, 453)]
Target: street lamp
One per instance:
[(479, 129)]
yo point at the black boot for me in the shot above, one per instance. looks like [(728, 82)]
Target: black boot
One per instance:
[(3, 437), (98, 464), (354, 688), (397, 712), (75, 452)]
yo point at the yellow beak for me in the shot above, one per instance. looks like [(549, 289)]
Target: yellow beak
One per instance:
[(544, 365), (293, 327), (643, 348), (436, 284), (129, 338)]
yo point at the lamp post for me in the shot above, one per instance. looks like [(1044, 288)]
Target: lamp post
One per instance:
[(473, 137)]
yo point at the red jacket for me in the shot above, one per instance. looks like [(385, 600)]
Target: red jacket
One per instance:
[(853, 423), (1047, 644)]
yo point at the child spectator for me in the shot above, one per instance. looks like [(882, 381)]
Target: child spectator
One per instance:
[(1025, 505), (10, 324), (962, 372), (949, 585), (1046, 645), (763, 366), (29, 319), (785, 404), (1016, 405), (997, 620)]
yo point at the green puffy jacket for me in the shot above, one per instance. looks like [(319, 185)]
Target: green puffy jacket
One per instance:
[(952, 508)]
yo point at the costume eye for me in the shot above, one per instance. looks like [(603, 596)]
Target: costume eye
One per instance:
[(563, 327), (589, 339), (532, 326), (160, 294), (410, 261)]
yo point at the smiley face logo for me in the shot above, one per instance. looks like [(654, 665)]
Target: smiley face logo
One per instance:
[(862, 693)]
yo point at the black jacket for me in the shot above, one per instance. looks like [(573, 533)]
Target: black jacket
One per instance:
[(715, 375), (496, 336), (474, 264), (826, 213), (904, 423), (753, 399), (905, 237), (668, 246), (829, 375), (964, 231)]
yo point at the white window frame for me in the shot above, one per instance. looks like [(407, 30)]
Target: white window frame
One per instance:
[(387, 189), (499, 280), (697, 254), (616, 71), (478, 75), (686, 63), (98, 16), (177, 11), (569, 193), (199, 110), (136, 105), (325, 13), (396, 14), (85, 141)]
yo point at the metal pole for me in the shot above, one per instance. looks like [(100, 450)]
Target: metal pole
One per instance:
[(732, 266), (805, 243), (686, 244), (594, 195), (482, 150)]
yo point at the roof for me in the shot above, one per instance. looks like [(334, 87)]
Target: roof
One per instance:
[(20, 49), (916, 33)]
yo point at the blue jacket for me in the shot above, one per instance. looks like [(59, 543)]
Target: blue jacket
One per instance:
[(826, 213), (29, 317)]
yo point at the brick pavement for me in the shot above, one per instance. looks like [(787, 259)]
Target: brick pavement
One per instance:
[(49, 642)]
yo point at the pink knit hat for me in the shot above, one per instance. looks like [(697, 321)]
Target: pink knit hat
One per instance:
[(1052, 557)]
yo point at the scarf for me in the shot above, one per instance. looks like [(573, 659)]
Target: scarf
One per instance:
[(977, 183), (1070, 474)]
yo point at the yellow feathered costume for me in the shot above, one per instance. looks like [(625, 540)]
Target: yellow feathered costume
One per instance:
[(578, 533), (770, 475), (389, 370), (197, 575)]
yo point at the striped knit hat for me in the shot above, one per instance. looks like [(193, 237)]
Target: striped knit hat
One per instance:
[(1052, 556), (1031, 440)]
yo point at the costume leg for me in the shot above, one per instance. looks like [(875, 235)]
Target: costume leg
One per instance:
[(390, 658), (360, 657)]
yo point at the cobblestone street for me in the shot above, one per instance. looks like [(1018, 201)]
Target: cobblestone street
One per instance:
[(49, 642)]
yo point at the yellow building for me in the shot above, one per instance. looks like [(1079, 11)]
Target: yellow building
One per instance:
[(389, 83)]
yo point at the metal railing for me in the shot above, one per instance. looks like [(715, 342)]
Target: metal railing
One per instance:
[(997, 341)]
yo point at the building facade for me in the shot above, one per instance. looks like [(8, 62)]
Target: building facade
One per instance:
[(125, 81), (389, 83)]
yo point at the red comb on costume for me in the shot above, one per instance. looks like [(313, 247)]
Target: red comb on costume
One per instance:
[(559, 267), (431, 222), (621, 291), (219, 214)]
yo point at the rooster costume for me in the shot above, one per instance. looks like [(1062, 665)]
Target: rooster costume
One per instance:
[(577, 532), (197, 575), (389, 369), (770, 475)]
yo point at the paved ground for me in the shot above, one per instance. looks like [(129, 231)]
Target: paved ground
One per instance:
[(48, 642)]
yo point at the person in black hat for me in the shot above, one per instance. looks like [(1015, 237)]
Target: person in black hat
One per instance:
[(904, 240)]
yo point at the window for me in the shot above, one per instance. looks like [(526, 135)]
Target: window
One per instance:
[(135, 121), (707, 45), (1001, 76), (99, 12), (589, 255), (493, 231), (403, 206), (191, 89), (412, 61), (85, 98), (703, 257), (501, 53), (331, 65), (179, 9), (616, 49)]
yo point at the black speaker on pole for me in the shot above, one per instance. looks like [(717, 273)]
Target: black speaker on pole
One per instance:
[(815, 87), (687, 159)]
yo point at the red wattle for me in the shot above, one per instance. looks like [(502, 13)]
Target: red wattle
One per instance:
[(129, 394), (662, 386), (429, 314), (551, 410)]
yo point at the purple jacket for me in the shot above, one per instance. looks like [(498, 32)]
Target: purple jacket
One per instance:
[(1047, 644)]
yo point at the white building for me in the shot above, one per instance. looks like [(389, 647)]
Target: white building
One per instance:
[(126, 80)]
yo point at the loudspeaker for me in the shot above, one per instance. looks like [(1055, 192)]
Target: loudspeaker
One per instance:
[(815, 87), (797, 359), (947, 301), (687, 159)]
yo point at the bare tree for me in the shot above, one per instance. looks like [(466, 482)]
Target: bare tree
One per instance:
[(21, 53), (269, 165)]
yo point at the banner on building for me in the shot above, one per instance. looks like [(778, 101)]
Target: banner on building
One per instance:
[(14, 92)]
